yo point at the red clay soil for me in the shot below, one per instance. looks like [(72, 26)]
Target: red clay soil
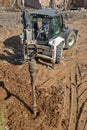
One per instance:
[(61, 93)]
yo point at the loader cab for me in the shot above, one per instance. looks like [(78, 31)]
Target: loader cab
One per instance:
[(46, 24)]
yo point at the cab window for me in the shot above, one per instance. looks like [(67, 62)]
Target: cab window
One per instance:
[(55, 27)]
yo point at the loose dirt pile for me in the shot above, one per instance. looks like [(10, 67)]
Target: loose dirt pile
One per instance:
[(61, 93)]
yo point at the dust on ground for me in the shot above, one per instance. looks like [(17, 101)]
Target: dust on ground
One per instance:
[(61, 93)]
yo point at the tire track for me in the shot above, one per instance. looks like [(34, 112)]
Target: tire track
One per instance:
[(73, 114), (82, 99), (75, 99), (82, 89), (66, 110), (82, 116), (85, 126)]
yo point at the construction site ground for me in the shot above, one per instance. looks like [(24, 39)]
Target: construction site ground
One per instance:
[(61, 92)]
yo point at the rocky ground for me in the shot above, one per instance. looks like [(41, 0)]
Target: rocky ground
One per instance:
[(61, 93)]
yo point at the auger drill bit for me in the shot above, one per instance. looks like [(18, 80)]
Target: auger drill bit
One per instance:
[(32, 70)]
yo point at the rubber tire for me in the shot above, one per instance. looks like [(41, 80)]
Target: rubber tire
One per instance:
[(59, 52), (70, 39)]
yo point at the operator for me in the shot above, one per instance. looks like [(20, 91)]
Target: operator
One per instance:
[(45, 26)]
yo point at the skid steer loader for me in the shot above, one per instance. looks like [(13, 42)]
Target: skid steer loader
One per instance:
[(45, 35)]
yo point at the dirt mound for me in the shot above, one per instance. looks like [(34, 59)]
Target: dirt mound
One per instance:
[(61, 93)]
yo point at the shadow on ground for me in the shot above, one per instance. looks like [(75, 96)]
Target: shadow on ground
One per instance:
[(12, 50), (14, 95)]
